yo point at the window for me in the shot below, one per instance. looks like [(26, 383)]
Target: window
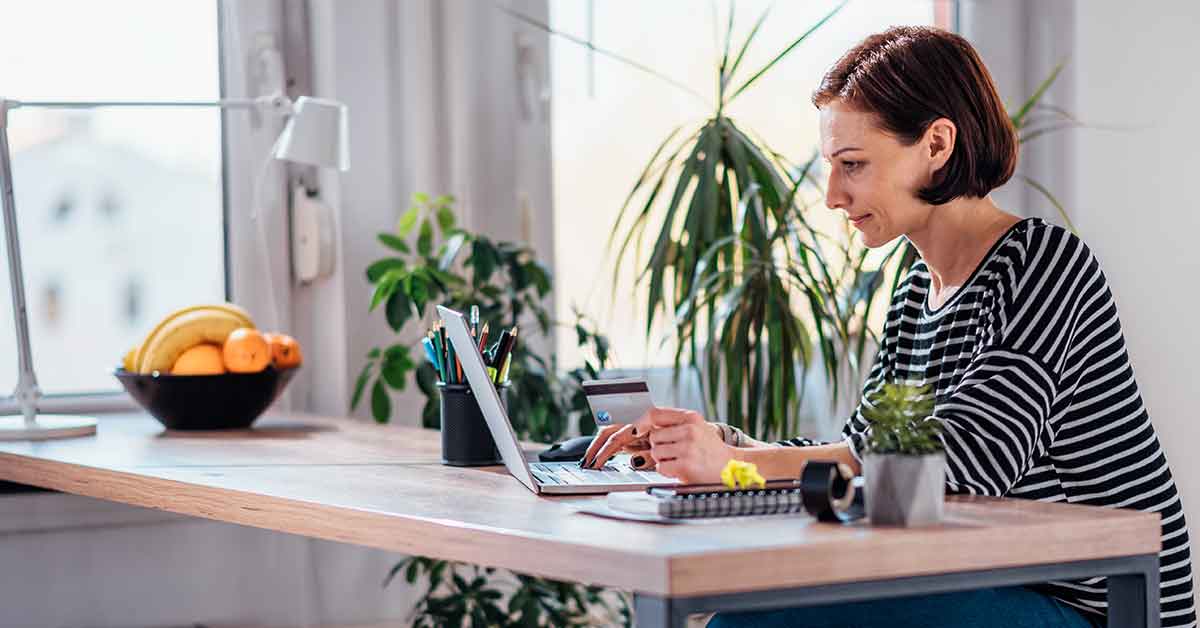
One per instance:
[(134, 196), (608, 119)]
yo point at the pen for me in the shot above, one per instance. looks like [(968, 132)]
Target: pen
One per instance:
[(498, 350), (504, 369), (512, 344), (437, 353), (483, 337), (446, 353), (509, 339), (429, 353), (474, 320)]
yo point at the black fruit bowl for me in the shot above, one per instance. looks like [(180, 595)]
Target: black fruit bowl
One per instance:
[(206, 402)]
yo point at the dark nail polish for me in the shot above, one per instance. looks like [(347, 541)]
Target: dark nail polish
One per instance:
[(583, 462), (638, 461)]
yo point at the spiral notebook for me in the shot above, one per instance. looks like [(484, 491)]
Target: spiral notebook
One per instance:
[(710, 501)]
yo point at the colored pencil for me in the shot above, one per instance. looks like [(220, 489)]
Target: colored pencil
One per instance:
[(483, 337)]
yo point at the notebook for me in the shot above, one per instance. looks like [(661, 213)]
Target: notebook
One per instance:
[(710, 501)]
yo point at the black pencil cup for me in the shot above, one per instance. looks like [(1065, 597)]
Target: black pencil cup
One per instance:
[(466, 439)]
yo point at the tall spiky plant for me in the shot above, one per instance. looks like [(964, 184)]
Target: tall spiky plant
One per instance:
[(755, 292)]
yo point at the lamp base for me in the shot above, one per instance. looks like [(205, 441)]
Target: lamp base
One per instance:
[(45, 427)]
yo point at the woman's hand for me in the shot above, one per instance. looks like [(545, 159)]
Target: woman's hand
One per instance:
[(687, 447), (615, 439)]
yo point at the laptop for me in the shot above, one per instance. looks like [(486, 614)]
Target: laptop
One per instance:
[(539, 477)]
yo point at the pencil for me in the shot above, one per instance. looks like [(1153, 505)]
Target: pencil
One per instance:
[(498, 350), (446, 352), (512, 344)]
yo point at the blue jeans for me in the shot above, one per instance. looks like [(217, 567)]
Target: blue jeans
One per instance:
[(1011, 607)]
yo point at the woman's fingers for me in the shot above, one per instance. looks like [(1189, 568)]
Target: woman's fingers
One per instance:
[(612, 447), (642, 461), (666, 417), (675, 469), (669, 451), (601, 437), (641, 444), (670, 434)]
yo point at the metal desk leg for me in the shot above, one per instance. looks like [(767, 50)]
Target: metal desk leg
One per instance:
[(658, 612), (1133, 598)]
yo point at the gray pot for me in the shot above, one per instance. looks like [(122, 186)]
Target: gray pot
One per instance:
[(904, 490)]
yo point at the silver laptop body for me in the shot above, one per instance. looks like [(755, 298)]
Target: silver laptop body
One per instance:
[(539, 477)]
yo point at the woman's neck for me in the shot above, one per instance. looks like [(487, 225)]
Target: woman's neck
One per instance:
[(956, 236)]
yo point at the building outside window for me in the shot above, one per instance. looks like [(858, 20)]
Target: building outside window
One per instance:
[(134, 196)]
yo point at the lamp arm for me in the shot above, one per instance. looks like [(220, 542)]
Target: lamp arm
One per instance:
[(27, 392), (224, 103), (277, 103)]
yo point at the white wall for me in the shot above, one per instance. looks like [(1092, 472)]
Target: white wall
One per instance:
[(1135, 199), (1124, 178), (436, 105)]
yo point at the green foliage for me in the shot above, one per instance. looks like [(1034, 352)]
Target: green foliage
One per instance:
[(900, 421), (468, 595), (458, 269), (755, 290)]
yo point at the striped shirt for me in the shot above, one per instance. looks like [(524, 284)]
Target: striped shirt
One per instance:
[(1036, 395)]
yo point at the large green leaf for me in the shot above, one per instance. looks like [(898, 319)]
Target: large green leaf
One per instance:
[(381, 405)]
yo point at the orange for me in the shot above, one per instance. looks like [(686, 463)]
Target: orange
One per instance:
[(246, 351), (285, 351), (202, 359)]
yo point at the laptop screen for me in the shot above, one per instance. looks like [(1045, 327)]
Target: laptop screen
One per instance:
[(485, 393)]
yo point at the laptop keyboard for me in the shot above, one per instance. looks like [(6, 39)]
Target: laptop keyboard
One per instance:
[(614, 472)]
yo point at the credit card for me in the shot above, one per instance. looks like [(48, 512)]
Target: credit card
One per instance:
[(617, 401)]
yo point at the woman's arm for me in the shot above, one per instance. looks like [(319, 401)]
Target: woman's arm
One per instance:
[(788, 462), (687, 447)]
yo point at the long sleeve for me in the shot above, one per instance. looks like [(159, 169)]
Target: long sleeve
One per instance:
[(994, 422), (1035, 393)]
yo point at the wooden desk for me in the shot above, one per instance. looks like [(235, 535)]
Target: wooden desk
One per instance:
[(383, 487)]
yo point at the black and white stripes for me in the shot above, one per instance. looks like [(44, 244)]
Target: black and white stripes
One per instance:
[(1035, 391)]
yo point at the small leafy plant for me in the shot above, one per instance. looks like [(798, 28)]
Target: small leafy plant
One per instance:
[(458, 269), (447, 265), (469, 595), (900, 423)]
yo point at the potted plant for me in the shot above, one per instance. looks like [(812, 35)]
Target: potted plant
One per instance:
[(757, 294), (429, 260), (904, 464)]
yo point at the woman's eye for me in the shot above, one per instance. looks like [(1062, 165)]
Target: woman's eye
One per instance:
[(851, 165)]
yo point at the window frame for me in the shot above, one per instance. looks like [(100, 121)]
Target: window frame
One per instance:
[(239, 261)]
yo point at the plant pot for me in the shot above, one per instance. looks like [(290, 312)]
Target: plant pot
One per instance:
[(905, 490)]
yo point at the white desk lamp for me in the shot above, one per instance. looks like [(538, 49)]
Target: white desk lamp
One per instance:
[(316, 133)]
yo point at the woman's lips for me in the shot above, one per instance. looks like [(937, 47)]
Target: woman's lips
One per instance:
[(860, 219)]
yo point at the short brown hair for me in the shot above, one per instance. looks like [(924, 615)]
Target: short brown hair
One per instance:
[(908, 77)]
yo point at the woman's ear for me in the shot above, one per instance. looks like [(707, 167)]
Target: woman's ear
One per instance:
[(939, 139)]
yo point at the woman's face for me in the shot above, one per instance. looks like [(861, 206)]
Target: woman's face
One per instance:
[(873, 177)]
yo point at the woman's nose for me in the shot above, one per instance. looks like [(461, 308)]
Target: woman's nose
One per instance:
[(835, 196)]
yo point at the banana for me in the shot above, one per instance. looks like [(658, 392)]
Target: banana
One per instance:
[(127, 361), (183, 332), (139, 353)]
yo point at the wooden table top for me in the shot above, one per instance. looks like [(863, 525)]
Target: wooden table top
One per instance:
[(384, 487)]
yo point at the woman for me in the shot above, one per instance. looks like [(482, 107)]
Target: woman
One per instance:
[(1010, 321)]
